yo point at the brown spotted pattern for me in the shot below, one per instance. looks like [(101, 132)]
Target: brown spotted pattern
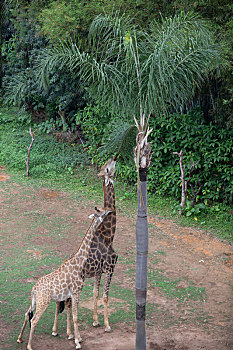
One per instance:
[(63, 283), (102, 257)]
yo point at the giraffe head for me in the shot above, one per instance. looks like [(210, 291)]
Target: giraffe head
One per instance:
[(108, 170), (99, 214)]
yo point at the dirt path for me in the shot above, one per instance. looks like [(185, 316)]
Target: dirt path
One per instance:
[(190, 295)]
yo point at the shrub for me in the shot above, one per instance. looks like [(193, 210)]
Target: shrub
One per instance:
[(211, 146), (94, 120)]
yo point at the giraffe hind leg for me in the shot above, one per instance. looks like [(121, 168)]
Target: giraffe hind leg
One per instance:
[(26, 319), (39, 312)]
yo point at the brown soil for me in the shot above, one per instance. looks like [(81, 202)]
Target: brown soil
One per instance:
[(188, 253)]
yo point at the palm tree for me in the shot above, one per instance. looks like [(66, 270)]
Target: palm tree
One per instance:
[(138, 73)]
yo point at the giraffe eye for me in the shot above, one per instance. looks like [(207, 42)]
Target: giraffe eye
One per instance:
[(107, 171)]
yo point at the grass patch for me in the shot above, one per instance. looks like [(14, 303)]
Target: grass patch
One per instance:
[(48, 159), (180, 288)]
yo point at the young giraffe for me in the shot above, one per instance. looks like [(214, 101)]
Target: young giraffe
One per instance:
[(65, 282), (102, 258)]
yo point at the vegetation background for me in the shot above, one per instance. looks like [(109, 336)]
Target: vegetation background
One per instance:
[(67, 111), (76, 130)]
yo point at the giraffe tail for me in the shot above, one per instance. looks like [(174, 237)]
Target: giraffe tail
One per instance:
[(61, 306), (30, 315), (32, 308)]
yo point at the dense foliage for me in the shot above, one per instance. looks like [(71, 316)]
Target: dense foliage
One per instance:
[(204, 134), (206, 144), (64, 18), (58, 19), (201, 142), (21, 81), (133, 71)]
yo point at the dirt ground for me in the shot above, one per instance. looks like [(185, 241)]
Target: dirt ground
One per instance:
[(186, 253)]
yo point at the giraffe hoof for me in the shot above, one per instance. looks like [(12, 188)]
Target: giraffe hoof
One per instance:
[(78, 346), (96, 324), (70, 336), (54, 334), (19, 340), (108, 329)]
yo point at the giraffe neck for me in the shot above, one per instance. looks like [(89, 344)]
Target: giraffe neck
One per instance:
[(109, 224), (82, 253), (109, 196)]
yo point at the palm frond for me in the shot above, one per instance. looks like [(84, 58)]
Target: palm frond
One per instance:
[(16, 90), (181, 53), (135, 72), (121, 139)]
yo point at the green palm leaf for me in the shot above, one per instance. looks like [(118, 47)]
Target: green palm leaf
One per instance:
[(135, 72), (121, 139)]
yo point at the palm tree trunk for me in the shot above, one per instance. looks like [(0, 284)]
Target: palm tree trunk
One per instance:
[(142, 158), (141, 261)]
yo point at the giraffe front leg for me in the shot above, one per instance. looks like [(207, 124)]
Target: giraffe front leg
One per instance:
[(106, 291), (106, 322), (77, 337), (68, 305), (105, 299), (54, 332), (96, 295)]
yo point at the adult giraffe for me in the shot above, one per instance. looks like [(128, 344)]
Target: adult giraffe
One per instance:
[(102, 257)]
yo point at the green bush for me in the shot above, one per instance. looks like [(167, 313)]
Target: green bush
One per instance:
[(209, 145), (94, 120)]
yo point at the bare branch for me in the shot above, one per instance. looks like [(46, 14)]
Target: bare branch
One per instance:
[(29, 150), (185, 182)]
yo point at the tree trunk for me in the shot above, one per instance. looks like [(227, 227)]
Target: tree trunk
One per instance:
[(141, 262), (142, 158)]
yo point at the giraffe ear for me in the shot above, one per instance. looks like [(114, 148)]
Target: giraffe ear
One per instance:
[(91, 216), (96, 209), (108, 212)]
